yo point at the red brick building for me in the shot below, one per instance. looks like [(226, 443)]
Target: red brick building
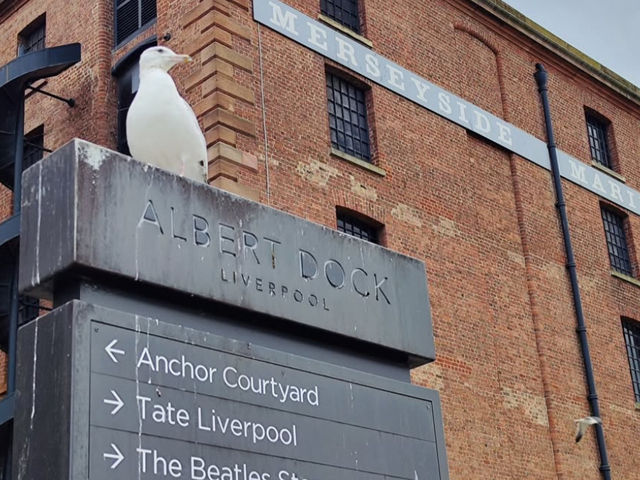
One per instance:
[(446, 184)]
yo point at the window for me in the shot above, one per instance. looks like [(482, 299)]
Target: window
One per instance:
[(615, 233), (348, 117), (359, 226), (597, 129), (32, 38), (128, 83), (33, 147), (131, 16), (631, 332), (342, 11), (28, 308)]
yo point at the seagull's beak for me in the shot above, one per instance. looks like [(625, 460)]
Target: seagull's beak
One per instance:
[(178, 59)]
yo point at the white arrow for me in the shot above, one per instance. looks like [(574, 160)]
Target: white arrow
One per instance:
[(110, 351), (118, 457), (117, 402)]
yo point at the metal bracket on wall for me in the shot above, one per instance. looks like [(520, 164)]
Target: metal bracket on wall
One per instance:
[(69, 101), (37, 147)]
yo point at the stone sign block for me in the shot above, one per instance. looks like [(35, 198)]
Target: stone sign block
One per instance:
[(91, 211)]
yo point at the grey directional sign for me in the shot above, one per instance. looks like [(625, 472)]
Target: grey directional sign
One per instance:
[(154, 400)]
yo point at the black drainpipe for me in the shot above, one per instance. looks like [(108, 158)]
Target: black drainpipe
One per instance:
[(581, 329)]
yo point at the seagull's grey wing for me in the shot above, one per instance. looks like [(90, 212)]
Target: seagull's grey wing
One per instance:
[(203, 143), (581, 426), (583, 423), (193, 119)]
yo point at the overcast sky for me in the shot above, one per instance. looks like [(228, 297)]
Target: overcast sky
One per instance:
[(606, 30)]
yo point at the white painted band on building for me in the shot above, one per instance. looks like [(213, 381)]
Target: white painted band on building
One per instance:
[(360, 59)]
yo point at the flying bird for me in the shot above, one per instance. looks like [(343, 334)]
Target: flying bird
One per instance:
[(162, 129), (583, 423)]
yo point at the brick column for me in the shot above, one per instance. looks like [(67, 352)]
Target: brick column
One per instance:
[(217, 92)]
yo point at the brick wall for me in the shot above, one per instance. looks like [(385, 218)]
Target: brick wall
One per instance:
[(3, 373), (509, 368)]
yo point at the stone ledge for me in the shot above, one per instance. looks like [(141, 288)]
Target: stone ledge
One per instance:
[(241, 190), (355, 160), (222, 151), (204, 8), (217, 50), (215, 34), (608, 171), (626, 278), (213, 101), (207, 71), (228, 85), (346, 30), (220, 116), (215, 18), (220, 133), (222, 168)]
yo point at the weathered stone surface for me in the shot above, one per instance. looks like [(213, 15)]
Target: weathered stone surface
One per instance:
[(91, 210)]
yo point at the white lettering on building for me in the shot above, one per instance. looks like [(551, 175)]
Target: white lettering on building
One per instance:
[(318, 36), (422, 88), (285, 20)]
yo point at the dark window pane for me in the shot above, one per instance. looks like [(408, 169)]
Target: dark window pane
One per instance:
[(28, 308), (357, 227), (132, 15), (632, 340), (33, 147), (597, 132), (32, 38), (342, 11), (347, 118), (147, 11), (127, 88), (127, 21), (616, 241)]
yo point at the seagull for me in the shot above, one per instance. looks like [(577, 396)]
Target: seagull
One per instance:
[(162, 129), (583, 423)]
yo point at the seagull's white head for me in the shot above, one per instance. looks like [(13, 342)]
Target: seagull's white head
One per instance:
[(161, 57)]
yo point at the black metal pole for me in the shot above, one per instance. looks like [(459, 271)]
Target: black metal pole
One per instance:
[(14, 311), (11, 381), (581, 329), (17, 199), (14, 305), (19, 151)]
